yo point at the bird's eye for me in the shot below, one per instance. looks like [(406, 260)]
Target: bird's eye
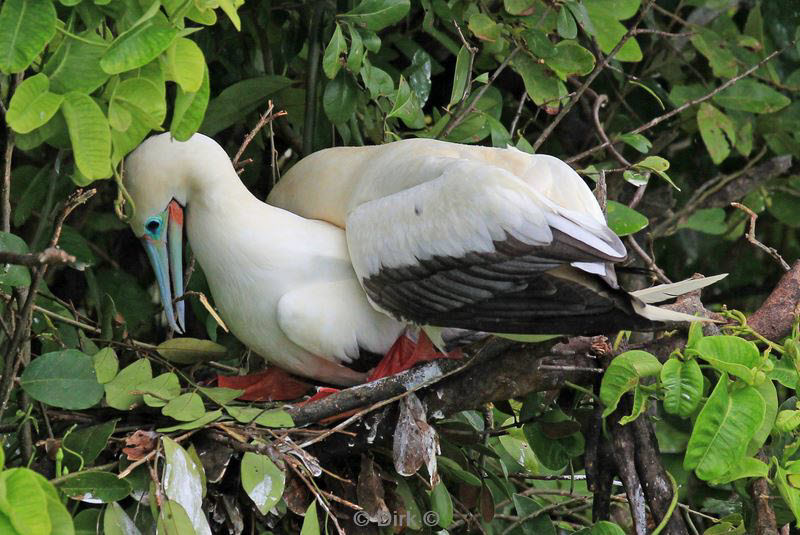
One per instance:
[(153, 226)]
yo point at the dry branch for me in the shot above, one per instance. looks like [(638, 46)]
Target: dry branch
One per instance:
[(51, 255), (773, 320)]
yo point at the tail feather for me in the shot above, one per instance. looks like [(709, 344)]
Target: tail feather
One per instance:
[(664, 292), (654, 313)]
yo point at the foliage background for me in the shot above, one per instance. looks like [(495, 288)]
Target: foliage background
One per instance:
[(699, 98)]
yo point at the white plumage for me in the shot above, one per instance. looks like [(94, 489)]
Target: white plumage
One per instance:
[(356, 243)]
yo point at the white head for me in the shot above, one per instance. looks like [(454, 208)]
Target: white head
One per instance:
[(162, 176)]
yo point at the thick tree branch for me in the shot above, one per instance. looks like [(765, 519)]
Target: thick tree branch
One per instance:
[(773, 320)]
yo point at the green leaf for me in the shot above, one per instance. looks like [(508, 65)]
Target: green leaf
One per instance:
[(539, 43), (174, 520), (605, 17), (89, 135), (116, 522), (637, 141), (683, 386), (104, 487), (520, 451), (731, 354), (220, 395), (64, 379), (452, 469), (183, 484), (659, 165), (75, 65), (484, 27), (24, 501), (139, 98), (86, 443), (570, 58), (161, 389), (239, 99), (331, 59), (553, 453), (138, 46), (310, 522), (267, 418), (785, 207), (442, 504), (717, 50), (623, 374), (191, 350), (196, 424), (185, 408), (189, 110), (769, 394), (186, 64), (787, 421), (230, 8), (723, 428), (406, 106), (419, 75), (566, 26), (60, 519), (262, 481), (715, 127), (744, 468), (639, 406), (26, 26), (789, 494), (378, 82), (106, 365), (707, 220), (623, 220), (119, 391), (753, 96), (339, 98), (375, 15), (533, 525), (32, 105), (355, 57), (12, 274), (461, 76), (519, 7), (542, 86)]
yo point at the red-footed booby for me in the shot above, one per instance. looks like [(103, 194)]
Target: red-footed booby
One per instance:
[(357, 243)]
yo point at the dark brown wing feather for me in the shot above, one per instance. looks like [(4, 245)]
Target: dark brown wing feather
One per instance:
[(519, 288)]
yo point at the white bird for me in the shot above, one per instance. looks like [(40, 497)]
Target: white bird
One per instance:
[(357, 243)]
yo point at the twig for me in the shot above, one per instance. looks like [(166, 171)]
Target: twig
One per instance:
[(751, 236), (467, 109), (661, 118), (538, 512), (99, 468), (647, 260), (131, 467), (600, 102), (589, 79), (50, 255), (518, 114), (263, 120)]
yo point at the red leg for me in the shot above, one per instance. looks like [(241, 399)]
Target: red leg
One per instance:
[(405, 353), (272, 384)]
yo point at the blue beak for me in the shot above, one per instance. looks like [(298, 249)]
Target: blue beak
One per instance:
[(166, 258)]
